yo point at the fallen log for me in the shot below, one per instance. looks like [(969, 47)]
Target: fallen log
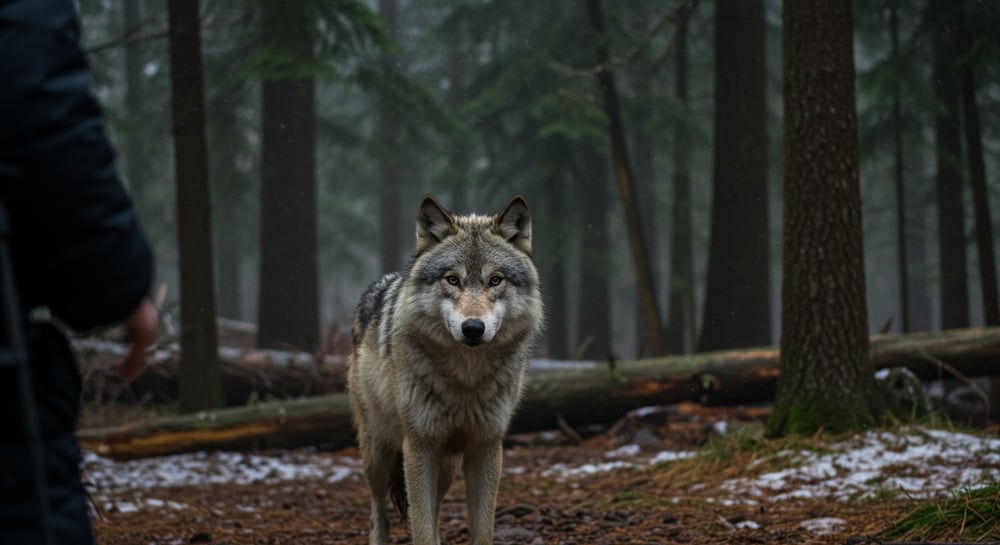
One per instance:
[(580, 393), (247, 374)]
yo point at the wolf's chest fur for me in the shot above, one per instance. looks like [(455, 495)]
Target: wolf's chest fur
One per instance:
[(458, 396)]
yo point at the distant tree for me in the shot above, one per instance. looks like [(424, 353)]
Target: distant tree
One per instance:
[(552, 230), (737, 294), (680, 312), (134, 145), (826, 380), (952, 263), (977, 168), (653, 342), (199, 377), (902, 263), (389, 211), (288, 311), (594, 297)]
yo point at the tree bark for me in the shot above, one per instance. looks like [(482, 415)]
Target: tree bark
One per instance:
[(948, 152), (826, 380), (652, 324), (288, 311), (737, 288), (585, 394), (553, 236), (680, 311), (199, 378)]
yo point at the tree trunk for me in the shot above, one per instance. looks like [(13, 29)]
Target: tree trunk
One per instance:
[(680, 316), (737, 290), (826, 380), (229, 226), (199, 378), (594, 317), (134, 145), (980, 195), (389, 210), (584, 394), (898, 175), (553, 267), (948, 152), (652, 324), (288, 312)]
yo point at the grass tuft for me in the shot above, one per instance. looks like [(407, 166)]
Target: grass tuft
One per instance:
[(972, 514)]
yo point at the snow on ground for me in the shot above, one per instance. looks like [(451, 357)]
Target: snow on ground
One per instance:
[(132, 485), (915, 462)]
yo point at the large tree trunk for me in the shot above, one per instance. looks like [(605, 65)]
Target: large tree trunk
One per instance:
[(199, 378), (288, 312), (653, 342), (948, 152), (584, 394), (680, 312), (737, 289), (826, 380)]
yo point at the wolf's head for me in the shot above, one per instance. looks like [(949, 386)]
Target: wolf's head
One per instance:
[(474, 276)]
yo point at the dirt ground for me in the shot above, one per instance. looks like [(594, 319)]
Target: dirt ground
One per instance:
[(646, 504)]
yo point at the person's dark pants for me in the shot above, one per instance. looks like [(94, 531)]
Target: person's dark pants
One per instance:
[(56, 382)]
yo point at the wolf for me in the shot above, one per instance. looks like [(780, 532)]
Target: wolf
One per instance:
[(438, 364)]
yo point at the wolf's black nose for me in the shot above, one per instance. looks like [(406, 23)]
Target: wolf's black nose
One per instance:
[(473, 329)]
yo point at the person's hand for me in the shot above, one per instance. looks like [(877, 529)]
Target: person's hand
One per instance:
[(140, 326)]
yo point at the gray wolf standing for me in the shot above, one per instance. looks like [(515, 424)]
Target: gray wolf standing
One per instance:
[(439, 357)]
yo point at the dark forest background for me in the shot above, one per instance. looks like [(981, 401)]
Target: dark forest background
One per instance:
[(326, 121)]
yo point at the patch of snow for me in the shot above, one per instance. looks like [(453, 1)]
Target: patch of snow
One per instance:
[(920, 463), (563, 471), (823, 526), (670, 456), (201, 468), (625, 451), (748, 525)]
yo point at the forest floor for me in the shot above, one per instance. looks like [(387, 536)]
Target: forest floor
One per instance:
[(687, 474)]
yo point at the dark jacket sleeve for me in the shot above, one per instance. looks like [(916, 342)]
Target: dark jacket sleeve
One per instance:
[(76, 243)]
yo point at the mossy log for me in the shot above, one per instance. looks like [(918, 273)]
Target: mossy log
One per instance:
[(581, 393)]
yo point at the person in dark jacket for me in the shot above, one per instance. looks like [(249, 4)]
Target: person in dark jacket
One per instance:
[(77, 250)]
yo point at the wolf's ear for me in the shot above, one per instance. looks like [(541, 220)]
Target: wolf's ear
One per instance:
[(514, 224), (434, 224)]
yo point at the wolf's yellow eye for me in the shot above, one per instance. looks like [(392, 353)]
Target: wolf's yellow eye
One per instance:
[(452, 279), (496, 280)]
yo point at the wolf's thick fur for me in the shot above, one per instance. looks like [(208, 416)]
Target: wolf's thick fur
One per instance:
[(438, 363)]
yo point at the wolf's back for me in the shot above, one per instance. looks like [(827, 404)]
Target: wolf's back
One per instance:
[(375, 305)]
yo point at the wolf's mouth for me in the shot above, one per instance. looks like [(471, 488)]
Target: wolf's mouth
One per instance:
[(473, 343)]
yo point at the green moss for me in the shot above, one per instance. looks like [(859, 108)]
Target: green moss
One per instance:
[(807, 417)]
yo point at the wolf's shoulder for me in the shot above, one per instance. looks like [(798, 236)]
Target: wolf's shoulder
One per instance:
[(373, 301)]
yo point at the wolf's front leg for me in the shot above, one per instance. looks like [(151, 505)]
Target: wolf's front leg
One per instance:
[(422, 469), (378, 464), (481, 467)]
